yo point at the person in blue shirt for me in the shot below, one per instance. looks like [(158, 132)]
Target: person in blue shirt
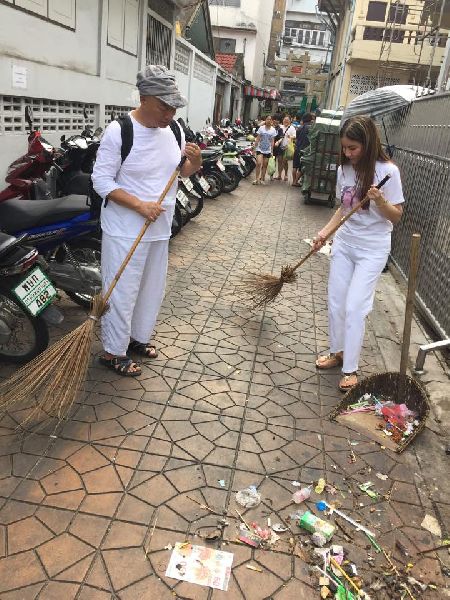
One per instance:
[(263, 148)]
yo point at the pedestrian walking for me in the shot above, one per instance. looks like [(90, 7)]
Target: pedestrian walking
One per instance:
[(131, 189), (301, 142), (263, 148), (361, 246), (284, 143)]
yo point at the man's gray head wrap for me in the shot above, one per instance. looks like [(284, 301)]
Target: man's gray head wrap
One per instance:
[(155, 80)]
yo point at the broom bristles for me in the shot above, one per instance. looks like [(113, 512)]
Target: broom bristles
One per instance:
[(57, 374), (263, 288)]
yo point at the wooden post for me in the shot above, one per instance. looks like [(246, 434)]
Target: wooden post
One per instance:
[(409, 308)]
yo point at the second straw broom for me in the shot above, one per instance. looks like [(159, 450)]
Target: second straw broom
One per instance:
[(263, 288)]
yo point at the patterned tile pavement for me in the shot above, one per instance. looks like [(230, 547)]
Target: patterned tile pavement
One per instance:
[(88, 506)]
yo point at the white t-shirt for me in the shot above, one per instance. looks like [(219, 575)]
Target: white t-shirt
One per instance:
[(265, 139), (144, 173), (289, 132), (367, 229)]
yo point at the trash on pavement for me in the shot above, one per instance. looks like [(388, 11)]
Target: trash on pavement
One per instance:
[(296, 483), (200, 565), (381, 476), (279, 527), (320, 486), (431, 524), (365, 487), (253, 568), (222, 483), (249, 497), (301, 495), (314, 524), (322, 505)]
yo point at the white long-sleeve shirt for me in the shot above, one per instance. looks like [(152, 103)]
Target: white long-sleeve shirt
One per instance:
[(144, 174)]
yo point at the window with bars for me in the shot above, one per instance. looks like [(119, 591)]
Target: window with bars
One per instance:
[(398, 13), (159, 42), (307, 37), (48, 115)]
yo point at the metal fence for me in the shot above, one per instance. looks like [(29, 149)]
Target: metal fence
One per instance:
[(420, 135)]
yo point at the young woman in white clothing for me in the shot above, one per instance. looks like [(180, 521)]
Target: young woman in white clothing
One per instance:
[(289, 135), (361, 246)]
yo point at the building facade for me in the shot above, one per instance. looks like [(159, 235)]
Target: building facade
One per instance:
[(64, 57), (381, 43), (243, 27), (306, 30)]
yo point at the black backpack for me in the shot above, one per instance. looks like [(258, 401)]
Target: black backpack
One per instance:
[(94, 200)]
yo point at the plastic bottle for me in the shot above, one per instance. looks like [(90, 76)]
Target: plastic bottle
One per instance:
[(301, 495), (315, 525)]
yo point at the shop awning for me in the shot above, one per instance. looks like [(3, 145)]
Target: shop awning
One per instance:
[(264, 94)]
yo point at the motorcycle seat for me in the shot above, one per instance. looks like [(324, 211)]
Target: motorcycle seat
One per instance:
[(16, 215)]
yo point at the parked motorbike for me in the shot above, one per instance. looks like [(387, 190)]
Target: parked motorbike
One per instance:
[(66, 235), (26, 296)]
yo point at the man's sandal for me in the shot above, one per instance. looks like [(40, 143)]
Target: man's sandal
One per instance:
[(146, 350), (348, 382), (122, 365), (329, 361)]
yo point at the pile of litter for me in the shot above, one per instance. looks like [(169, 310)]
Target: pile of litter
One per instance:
[(396, 421)]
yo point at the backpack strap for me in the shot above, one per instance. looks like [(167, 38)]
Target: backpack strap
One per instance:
[(126, 132), (176, 132)]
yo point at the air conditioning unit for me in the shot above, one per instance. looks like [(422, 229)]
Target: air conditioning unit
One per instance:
[(287, 39)]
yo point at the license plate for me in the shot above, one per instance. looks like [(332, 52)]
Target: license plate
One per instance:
[(182, 198), (35, 292), (220, 165), (204, 184), (187, 183)]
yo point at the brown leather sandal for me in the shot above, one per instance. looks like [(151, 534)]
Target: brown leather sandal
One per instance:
[(329, 361), (348, 382)]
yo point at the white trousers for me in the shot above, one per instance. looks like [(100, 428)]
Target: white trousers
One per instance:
[(351, 289), (135, 302)]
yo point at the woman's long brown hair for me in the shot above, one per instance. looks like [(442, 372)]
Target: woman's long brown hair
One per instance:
[(364, 131)]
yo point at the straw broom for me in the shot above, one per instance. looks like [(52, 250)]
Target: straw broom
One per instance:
[(57, 374), (263, 288)]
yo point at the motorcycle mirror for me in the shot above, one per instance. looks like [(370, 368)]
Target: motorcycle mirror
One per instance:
[(113, 116), (85, 113), (29, 117), (98, 132), (63, 137)]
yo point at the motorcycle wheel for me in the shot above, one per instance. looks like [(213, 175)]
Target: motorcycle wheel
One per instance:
[(87, 251), (29, 335), (195, 206), (231, 181), (215, 185), (177, 222)]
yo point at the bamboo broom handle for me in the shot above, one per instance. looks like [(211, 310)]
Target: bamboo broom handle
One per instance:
[(409, 309), (145, 226), (341, 222)]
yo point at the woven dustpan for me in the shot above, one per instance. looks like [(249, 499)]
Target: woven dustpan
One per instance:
[(397, 386)]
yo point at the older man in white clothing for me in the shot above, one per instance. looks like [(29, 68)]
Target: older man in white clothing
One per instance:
[(131, 189)]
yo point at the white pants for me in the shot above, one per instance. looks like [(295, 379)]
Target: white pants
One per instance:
[(137, 297), (351, 289)]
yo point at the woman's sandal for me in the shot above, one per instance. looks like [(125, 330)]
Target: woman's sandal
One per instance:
[(121, 365), (329, 361), (348, 382), (147, 350)]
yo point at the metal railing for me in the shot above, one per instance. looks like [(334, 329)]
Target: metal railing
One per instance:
[(420, 134)]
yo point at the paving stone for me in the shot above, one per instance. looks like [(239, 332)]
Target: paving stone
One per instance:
[(234, 395)]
